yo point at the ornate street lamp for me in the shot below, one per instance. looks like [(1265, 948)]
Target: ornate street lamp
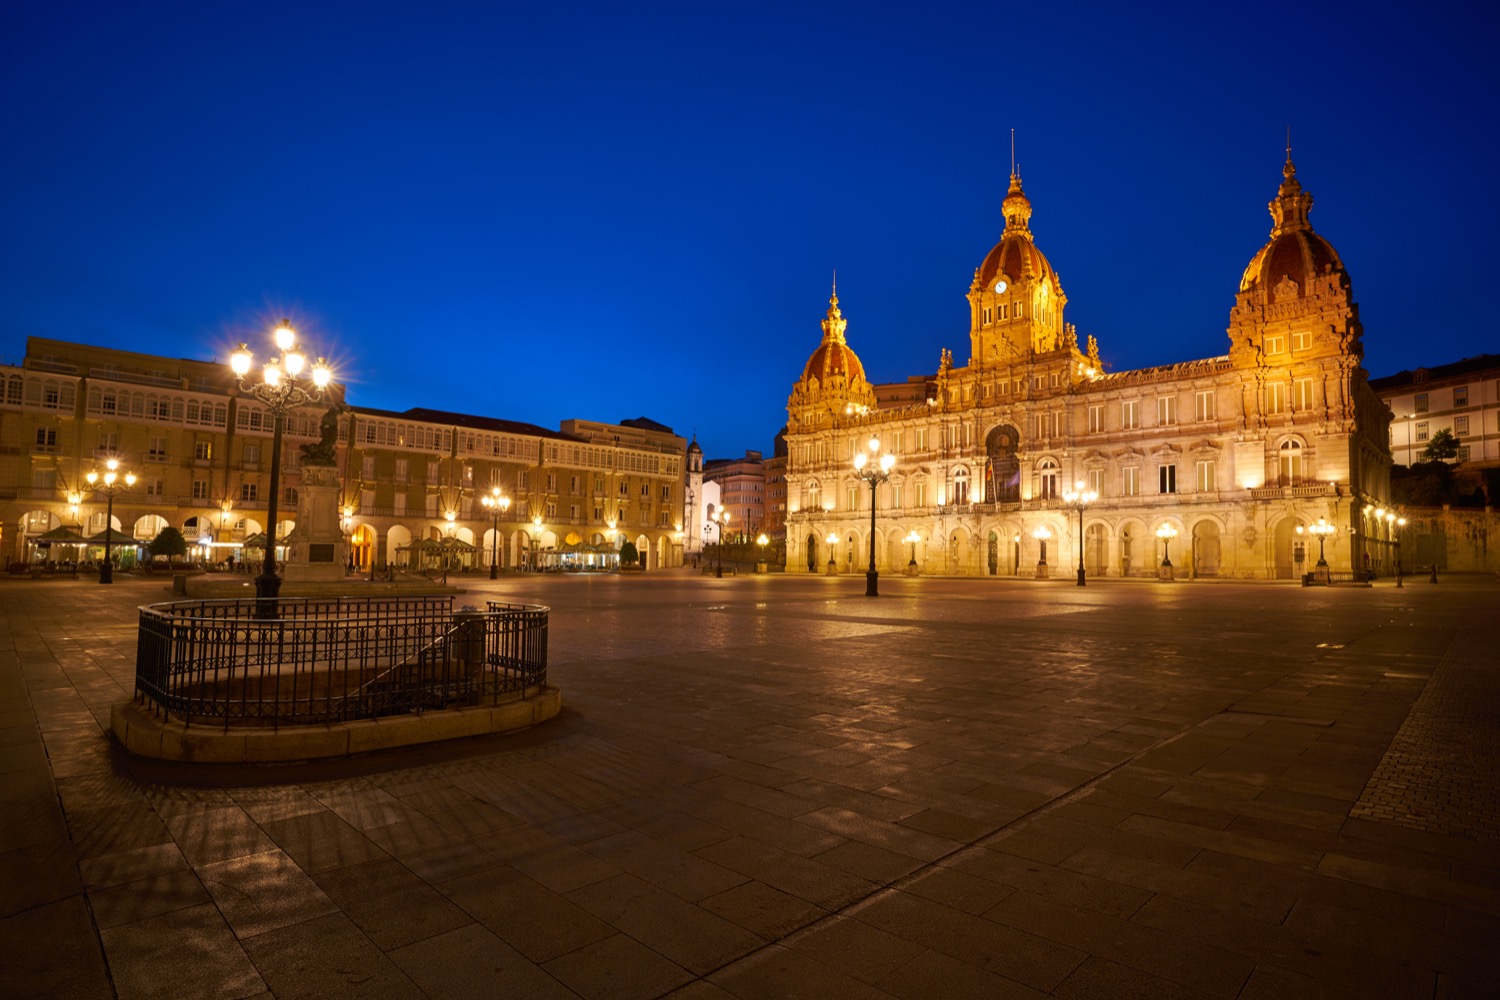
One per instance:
[(1079, 499), (833, 543), (1400, 526), (874, 468), (720, 517), (1041, 534), (1166, 533), (762, 541), (536, 541), (1321, 531), (281, 390), (912, 538), (496, 503), (110, 483)]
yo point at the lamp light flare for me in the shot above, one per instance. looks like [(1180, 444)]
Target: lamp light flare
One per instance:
[(285, 336)]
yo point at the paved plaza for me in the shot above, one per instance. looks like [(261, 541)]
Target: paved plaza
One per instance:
[(766, 787)]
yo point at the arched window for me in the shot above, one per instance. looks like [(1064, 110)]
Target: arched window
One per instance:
[(810, 495), (1290, 466), (961, 485), (1047, 479)]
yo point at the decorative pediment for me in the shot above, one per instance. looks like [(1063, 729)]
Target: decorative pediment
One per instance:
[(1205, 447), (1165, 449), (1129, 454)]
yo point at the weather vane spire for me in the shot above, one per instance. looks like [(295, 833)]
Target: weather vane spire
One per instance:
[(1013, 152), (1289, 143)]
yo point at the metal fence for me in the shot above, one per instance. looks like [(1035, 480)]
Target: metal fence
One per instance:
[(325, 660)]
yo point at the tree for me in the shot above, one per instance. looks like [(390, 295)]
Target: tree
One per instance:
[(1442, 447), (628, 554), (168, 543)]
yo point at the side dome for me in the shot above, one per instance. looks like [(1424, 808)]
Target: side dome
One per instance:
[(1287, 265), (833, 358), (1016, 255)]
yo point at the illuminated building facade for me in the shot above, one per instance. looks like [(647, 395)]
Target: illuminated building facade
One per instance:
[(201, 450), (1234, 453)]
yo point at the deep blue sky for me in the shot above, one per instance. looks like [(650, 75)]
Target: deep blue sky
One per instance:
[(608, 210)]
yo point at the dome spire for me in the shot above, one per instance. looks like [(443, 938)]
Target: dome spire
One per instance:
[(1291, 206), (834, 323)]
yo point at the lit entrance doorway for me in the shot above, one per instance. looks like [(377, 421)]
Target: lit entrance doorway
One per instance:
[(362, 547), (812, 553)]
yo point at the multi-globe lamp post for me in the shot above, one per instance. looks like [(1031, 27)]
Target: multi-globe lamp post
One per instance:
[(1079, 499), (874, 467), (496, 503), (110, 482), (1321, 530), (281, 390), (833, 563), (912, 538)]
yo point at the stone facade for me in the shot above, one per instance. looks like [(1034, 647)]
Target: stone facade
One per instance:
[(1233, 452)]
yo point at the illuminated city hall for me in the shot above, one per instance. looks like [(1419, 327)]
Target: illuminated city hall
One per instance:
[(1242, 465)]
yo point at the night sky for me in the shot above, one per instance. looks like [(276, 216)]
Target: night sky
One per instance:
[(604, 211)]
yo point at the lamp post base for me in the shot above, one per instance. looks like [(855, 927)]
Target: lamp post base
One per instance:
[(911, 568), (833, 568), (872, 584), (1164, 572), (1081, 581), (106, 572), (267, 590), (494, 571), (1042, 573)]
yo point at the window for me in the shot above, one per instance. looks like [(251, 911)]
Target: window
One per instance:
[(367, 466), (398, 503), (107, 404), (895, 495), (402, 470), (1461, 395), (1048, 479), (1420, 404), (249, 491), (1096, 418), (203, 451), (1275, 398), (1207, 480), (666, 493), (624, 488), (109, 441), (200, 489), (646, 490), (1203, 406), (157, 452), (1301, 340), (1461, 426), (961, 486), (1167, 479), (921, 489), (1132, 481), (289, 496), (44, 479), (1302, 395), (252, 454), (989, 315), (1130, 414), (1463, 453), (1422, 430), (551, 511), (853, 496), (1166, 410), (432, 472), (551, 482), (46, 439), (1275, 344), (1096, 481), (1291, 463), (153, 487)]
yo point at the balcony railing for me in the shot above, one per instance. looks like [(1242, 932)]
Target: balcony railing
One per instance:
[(327, 660)]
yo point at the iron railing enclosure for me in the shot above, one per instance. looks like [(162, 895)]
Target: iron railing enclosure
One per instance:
[(338, 659)]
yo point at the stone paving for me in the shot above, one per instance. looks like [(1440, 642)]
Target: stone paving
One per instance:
[(776, 787)]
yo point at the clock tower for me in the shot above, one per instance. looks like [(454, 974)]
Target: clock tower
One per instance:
[(1016, 301)]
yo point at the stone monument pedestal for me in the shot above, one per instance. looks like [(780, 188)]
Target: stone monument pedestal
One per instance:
[(319, 552)]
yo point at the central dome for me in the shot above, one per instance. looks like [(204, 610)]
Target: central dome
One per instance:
[(1016, 254)]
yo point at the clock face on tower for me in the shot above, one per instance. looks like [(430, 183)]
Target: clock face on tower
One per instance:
[(1000, 287)]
